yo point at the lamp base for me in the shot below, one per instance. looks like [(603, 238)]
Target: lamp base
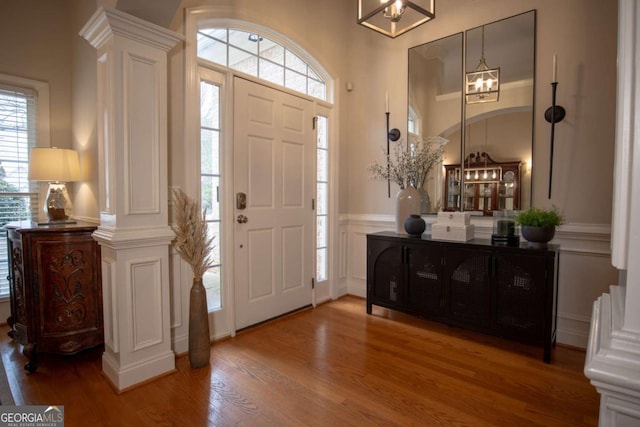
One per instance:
[(56, 214), (58, 204)]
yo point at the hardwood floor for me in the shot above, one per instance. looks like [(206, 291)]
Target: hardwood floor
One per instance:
[(330, 366)]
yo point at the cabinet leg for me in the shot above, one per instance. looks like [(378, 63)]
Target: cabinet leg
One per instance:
[(369, 307), (29, 351), (11, 333)]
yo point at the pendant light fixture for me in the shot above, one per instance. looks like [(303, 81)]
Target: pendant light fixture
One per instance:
[(395, 17), (482, 84)]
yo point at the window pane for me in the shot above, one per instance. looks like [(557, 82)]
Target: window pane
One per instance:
[(243, 61), (295, 63), (216, 33), (272, 51), (213, 229), (211, 279), (211, 283), (317, 89), (321, 264), (209, 188), (212, 50), (322, 198), (312, 74), (321, 231), (209, 105), (322, 133), (241, 39), (209, 152), (296, 81), (271, 72), (322, 175)]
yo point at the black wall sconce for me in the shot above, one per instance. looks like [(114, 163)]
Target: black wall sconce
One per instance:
[(554, 114), (392, 135)]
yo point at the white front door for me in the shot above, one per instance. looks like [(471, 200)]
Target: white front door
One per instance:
[(274, 158)]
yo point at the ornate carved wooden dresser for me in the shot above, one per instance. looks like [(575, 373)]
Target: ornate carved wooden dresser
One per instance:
[(56, 289)]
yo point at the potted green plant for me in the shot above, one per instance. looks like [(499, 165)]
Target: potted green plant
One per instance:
[(538, 226)]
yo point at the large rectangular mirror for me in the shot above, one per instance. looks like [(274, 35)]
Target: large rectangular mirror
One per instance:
[(434, 107), (484, 108)]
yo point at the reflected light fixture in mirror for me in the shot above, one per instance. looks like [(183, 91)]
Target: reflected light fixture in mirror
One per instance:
[(483, 83), (395, 17), (56, 166)]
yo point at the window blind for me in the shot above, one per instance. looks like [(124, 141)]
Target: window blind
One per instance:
[(18, 197)]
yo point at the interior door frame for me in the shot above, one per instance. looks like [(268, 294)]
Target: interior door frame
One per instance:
[(195, 18), (222, 322)]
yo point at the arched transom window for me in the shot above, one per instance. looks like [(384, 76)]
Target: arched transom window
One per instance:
[(260, 57)]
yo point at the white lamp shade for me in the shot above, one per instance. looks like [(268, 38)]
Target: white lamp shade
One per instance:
[(54, 165)]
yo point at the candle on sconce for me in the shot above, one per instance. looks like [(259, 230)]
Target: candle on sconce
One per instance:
[(386, 102), (555, 68)]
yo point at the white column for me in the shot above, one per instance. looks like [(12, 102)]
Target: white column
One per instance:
[(134, 233), (613, 353)]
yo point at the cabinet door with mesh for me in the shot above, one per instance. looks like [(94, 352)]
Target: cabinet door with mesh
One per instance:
[(424, 279), (467, 280), (385, 273), (520, 291)]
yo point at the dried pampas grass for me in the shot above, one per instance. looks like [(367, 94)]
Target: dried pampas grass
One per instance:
[(192, 242)]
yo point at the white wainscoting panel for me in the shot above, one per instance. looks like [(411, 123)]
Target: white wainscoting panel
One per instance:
[(109, 298), (146, 302)]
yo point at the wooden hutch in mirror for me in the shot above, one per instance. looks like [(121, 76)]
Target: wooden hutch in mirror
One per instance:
[(482, 185)]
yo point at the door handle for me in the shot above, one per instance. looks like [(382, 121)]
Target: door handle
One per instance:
[(241, 201), (242, 219)]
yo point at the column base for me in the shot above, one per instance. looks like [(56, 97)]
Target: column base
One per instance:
[(613, 362), (126, 377)]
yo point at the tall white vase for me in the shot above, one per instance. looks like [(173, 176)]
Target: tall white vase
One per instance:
[(407, 203)]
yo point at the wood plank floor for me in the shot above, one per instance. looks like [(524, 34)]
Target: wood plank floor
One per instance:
[(330, 366)]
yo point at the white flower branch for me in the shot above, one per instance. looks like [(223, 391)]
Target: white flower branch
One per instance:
[(409, 167)]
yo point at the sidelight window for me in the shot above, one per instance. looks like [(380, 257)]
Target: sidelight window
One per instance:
[(18, 133), (210, 182), (322, 211)]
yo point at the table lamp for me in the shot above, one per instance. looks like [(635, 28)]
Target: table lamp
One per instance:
[(57, 166)]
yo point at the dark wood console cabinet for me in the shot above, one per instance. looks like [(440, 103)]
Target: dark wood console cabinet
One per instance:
[(499, 290), (55, 288)]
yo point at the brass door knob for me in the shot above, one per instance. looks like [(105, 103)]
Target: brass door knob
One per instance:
[(242, 219)]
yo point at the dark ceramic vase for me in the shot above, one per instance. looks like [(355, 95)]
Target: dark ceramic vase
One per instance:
[(537, 237), (414, 225)]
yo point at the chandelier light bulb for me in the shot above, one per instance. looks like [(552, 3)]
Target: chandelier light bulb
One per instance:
[(476, 176), (394, 12)]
